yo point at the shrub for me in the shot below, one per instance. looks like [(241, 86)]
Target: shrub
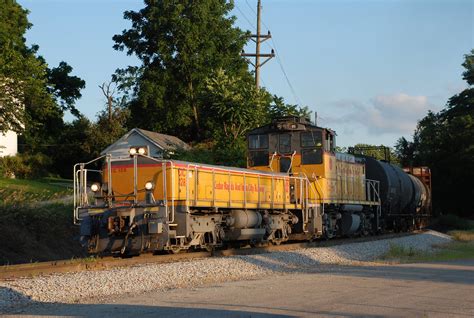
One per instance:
[(11, 166), (25, 166), (452, 222)]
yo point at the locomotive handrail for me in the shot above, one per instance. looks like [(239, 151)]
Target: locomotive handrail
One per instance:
[(245, 192), (165, 163), (80, 186), (258, 191), (135, 178)]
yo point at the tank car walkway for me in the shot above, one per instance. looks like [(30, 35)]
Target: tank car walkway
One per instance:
[(411, 290)]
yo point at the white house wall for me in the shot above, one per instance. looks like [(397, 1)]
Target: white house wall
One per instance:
[(8, 144)]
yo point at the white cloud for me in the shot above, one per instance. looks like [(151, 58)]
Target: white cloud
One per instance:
[(384, 114)]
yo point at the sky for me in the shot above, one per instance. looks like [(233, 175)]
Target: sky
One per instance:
[(370, 69)]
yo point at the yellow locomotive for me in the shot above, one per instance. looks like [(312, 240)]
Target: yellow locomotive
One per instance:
[(296, 187)]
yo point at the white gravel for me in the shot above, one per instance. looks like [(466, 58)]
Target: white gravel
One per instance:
[(84, 286)]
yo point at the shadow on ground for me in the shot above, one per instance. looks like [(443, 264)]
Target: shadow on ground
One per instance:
[(444, 272), (460, 273), (112, 310)]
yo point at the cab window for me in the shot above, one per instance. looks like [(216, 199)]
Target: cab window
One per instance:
[(284, 143), (329, 144), (311, 139), (312, 156), (258, 158), (311, 148), (258, 141)]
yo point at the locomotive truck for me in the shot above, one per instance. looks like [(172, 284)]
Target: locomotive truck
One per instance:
[(296, 187)]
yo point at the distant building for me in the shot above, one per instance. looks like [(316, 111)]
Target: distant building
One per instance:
[(12, 94), (157, 144), (8, 144)]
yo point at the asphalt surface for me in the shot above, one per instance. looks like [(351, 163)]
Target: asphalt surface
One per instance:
[(411, 290)]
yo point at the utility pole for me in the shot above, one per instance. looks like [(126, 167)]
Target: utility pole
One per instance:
[(258, 39)]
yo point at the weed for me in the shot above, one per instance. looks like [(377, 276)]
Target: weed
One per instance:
[(444, 252), (396, 251)]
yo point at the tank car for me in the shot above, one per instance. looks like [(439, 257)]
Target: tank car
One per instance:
[(296, 187)]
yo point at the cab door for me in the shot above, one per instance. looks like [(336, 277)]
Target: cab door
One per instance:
[(285, 153)]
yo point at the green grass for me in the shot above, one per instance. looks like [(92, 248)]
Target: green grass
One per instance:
[(32, 233), (35, 223), (461, 248), (14, 191)]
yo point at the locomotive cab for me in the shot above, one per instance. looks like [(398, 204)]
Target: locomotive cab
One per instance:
[(295, 146), (291, 145)]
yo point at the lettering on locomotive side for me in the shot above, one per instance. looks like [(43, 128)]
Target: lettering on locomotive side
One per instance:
[(182, 178), (238, 187), (119, 170)]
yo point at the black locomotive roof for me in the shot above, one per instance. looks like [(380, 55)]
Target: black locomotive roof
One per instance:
[(287, 123)]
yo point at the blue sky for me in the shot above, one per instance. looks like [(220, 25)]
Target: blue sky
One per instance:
[(370, 69)]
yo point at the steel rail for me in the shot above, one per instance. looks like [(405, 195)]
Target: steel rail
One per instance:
[(9, 272)]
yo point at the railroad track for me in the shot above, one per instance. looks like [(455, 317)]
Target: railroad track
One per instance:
[(9, 272)]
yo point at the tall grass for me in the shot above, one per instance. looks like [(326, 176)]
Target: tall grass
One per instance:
[(461, 248), (462, 236), (17, 191)]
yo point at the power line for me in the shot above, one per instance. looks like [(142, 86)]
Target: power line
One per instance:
[(279, 60), (298, 100), (258, 39), (245, 17), (252, 9)]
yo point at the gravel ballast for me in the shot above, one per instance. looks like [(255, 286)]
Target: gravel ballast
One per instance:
[(83, 286)]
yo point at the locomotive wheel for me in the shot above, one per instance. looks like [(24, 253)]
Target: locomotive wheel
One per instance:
[(210, 248), (176, 250)]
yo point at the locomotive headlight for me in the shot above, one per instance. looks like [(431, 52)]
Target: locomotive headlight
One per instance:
[(141, 150), (95, 187), (149, 185), (132, 151)]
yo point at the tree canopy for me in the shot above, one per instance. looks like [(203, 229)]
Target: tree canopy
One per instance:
[(33, 96), (180, 45), (444, 141)]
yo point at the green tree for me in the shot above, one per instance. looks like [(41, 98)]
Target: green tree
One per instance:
[(107, 130), (33, 97), (280, 109), (235, 107), (444, 142), (65, 87), (378, 152), (236, 104), (74, 144), (405, 152), (180, 43), (22, 75)]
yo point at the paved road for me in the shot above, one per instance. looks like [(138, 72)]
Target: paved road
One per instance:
[(415, 290)]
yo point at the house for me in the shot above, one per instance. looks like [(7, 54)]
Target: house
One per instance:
[(8, 144), (157, 144), (12, 95)]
